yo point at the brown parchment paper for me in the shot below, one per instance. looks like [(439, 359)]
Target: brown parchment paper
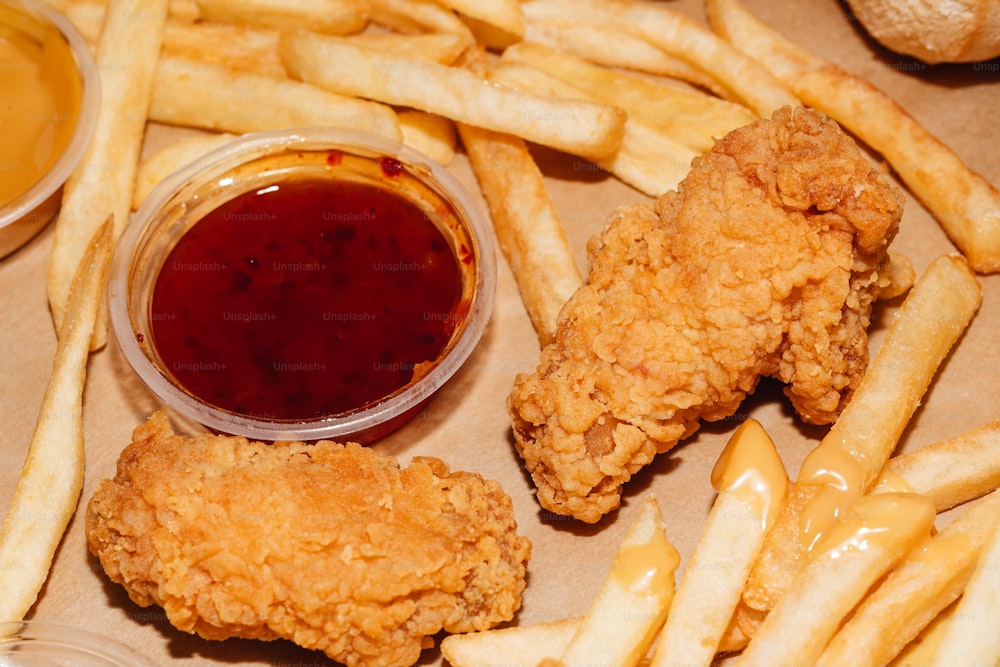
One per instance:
[(466, 423)]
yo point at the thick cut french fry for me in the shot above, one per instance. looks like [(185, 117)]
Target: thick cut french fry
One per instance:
[(170, 158), (574, 126), (238, 47), (970, 636), (743, 78), (923, 584), (439, 47), (416, 16), (690, 117), (518, 646), (949, 472), (647, 159), (504, 15), (609, 45), (527, 225), (920, 652), (849, 459), (874, 534), (211, 97), (254, 49), (48, 489), (935, 313), (242, 48), (965, 204), (101, 185), (742, 627), (185, 10), (335, 17), (751, 482), (434, 136), (632, 601)]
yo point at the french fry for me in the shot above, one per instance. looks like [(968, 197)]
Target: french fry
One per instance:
[(742, 627), (633, 601), (211, 97), (744, 79), (965, 204), (920, 652), (576, 127), (170, 158), (416, 16), (937, 310), (101, 185), (926, 582), (949, 472), (504, 15), (751, 482), (252, 48), (335, 17), (690, 117), (434, 136), (852, 454), (970, 636), (875, 533), (180, 10), (185, 10), (49, 486), (238, 47), (527, 225), (241, 47), (610, 46), (440, 47), (647, 159), (517, 646)]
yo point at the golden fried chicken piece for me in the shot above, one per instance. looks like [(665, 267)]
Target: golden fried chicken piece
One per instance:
[(331, 546), (764, 262)]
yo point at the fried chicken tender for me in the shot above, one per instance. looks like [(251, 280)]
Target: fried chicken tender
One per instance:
[(331, 546), (764, 262)]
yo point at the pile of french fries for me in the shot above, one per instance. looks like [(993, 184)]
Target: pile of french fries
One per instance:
[(843, 566), (635, 88)]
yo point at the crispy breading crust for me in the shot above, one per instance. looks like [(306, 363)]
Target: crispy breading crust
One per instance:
[(764, 262), (331, 546)]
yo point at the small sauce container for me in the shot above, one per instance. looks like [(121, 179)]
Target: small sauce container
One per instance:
[(303, 284), (50, 92), (44, 644)]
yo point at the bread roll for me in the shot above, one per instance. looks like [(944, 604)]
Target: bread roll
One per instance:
[(934, 31)]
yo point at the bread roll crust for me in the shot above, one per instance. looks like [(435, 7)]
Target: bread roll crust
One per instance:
[(933, 31)]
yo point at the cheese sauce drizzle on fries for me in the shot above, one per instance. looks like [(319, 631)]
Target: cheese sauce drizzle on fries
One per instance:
[(929, 578), (859, 548), (750, 469), (640, 586), (752, 482)]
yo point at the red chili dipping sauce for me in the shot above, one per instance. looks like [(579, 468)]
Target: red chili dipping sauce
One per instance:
[(305, 299)]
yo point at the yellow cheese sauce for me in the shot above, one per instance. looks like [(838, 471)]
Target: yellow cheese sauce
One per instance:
[(647, 569), (40, 91), (839, 480), (751, 468), (895, 522)]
